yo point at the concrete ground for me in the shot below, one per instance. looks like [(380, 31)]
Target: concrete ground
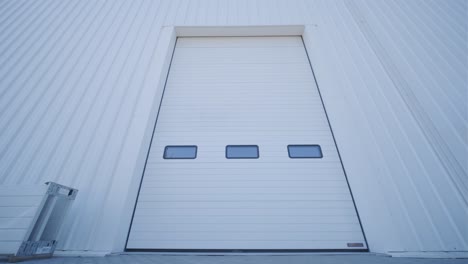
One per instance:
[(244, 259)]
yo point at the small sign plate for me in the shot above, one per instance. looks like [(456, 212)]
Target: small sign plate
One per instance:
[(355, 245)]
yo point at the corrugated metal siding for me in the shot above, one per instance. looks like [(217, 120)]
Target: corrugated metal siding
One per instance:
[(427, 62), (426, 209), (75, 78), (426, 56), (422, 55)]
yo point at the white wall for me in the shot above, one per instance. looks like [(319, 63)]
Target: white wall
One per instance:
[(78, 89)]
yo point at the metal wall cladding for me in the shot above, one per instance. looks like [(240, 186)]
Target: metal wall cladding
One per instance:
[(77, 82)]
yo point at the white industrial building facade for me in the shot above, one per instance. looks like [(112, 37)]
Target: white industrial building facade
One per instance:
[(242, 125)]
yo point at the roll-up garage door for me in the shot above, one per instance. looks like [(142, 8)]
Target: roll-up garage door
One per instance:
[(242, 156)]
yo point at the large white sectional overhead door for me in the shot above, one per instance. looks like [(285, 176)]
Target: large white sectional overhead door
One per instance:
[(242, 156)]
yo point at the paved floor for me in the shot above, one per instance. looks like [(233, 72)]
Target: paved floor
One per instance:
[(250, 259)]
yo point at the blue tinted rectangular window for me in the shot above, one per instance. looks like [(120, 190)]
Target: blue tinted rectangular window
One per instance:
[(304, 151), (180, 152), (242, 152)]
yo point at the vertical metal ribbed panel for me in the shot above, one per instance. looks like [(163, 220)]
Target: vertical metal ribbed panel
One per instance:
[(74, 76)]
